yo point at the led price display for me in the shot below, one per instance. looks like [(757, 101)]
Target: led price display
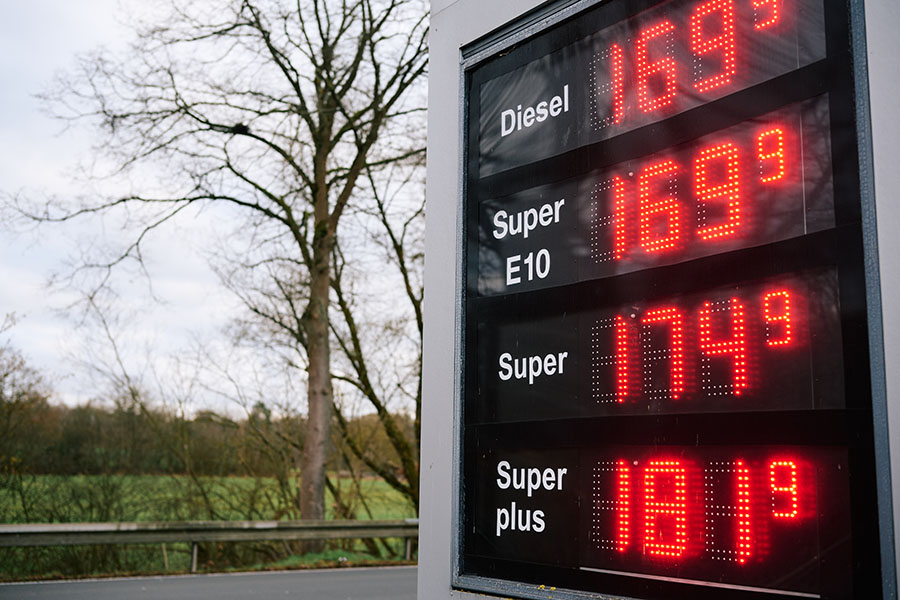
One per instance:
[(665, 378), (762, 180), (731, 515), (730, 189), (685, 53), (720, 350)]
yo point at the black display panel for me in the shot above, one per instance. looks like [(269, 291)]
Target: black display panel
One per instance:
[(665, 363)]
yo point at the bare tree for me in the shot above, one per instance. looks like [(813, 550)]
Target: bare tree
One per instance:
[(377, 291), (277, 112), (400, 225)]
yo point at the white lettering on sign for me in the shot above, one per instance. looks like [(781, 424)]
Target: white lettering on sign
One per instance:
[(531, 367), (526, 221), (529, 479), (514, 519), (517, 119), (537, 265)]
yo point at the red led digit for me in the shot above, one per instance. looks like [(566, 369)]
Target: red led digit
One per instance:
[(623, 356), (667, 206), (623, 500), (742, 510), (728, 190), (676, 345), (770, 148), (765, 13), (783, 483), (736, 345), (722, 43), (777, 312), (665, 67), (619, 218), (674, 543)]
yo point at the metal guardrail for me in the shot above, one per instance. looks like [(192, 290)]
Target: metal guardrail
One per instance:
[(72, 534)]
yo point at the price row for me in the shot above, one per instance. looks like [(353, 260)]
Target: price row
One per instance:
[(727, 514), (677, 56), (736, 348), (758, 182)]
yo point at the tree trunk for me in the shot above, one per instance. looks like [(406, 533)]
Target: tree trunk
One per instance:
[(319, 390)]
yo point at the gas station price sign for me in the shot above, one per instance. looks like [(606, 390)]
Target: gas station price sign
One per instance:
[(665, 364)]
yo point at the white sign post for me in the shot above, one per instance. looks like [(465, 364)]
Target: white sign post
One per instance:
[(642, 390)]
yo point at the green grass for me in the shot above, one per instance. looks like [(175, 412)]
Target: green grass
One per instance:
[(100, 498), (116, 498)]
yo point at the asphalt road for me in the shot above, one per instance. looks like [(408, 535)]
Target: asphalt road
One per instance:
[(381, 583)]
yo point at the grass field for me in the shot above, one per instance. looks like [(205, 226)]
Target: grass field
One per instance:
[(98, 498), (102, 498)]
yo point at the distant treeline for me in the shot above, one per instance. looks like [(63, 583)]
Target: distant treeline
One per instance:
[(39, 437), (128, 462)]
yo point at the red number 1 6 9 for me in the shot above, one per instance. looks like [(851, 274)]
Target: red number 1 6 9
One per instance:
[(655, 222), (656, 72)]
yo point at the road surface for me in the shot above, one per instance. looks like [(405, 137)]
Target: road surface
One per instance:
[(379, 583)]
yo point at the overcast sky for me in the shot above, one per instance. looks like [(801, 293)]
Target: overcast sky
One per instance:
[(39, 38)]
